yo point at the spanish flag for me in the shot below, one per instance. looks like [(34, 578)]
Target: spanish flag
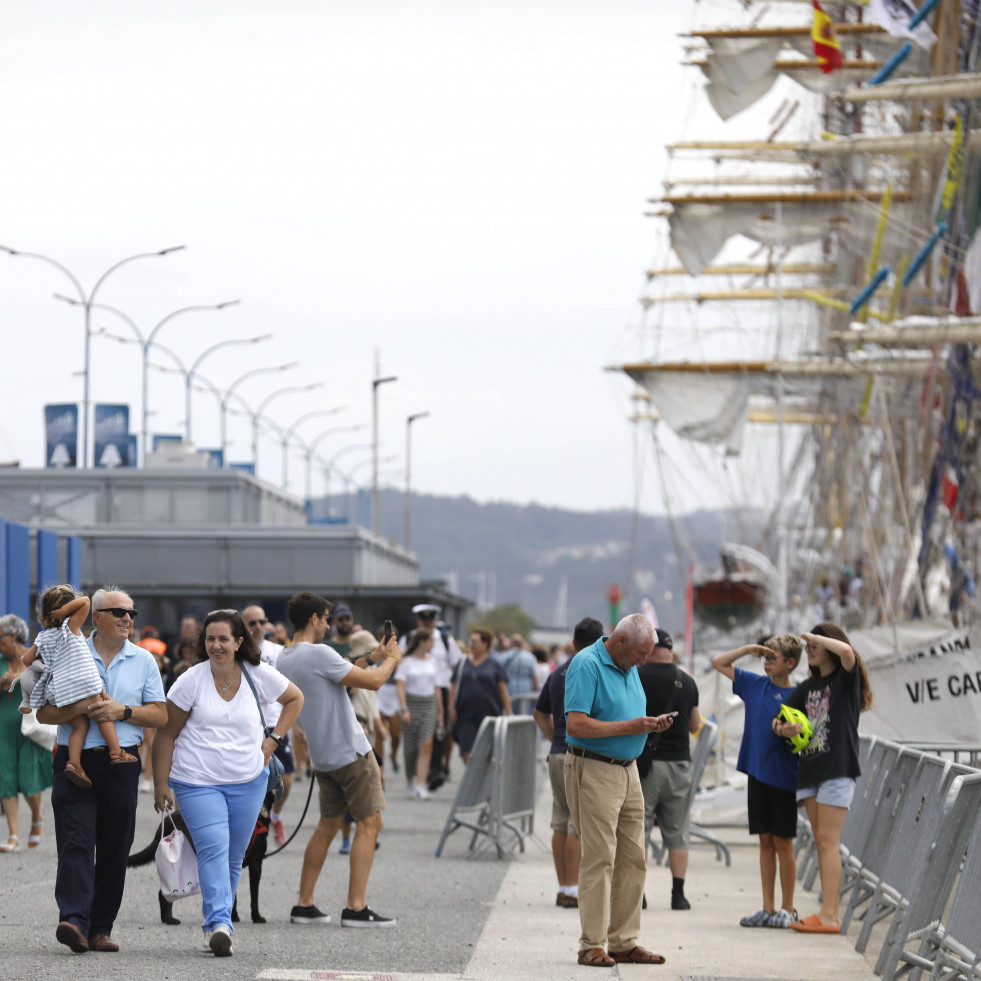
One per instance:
[(826, 46)]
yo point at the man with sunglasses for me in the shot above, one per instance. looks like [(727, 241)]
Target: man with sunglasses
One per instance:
[(256, 622), (342, 621), (94, 825)]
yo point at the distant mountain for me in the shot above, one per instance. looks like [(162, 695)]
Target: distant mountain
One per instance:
[(501, 553)]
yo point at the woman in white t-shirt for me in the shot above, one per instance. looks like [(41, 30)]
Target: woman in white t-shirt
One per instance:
[(421, 709), (214, 753)]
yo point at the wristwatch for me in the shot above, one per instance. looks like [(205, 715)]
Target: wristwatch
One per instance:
[(127, 712), (271, 735)]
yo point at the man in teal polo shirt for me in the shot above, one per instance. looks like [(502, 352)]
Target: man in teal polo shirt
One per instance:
[(605, 732)]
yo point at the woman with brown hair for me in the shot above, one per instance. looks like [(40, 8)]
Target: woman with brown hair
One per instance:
[(832, 698)]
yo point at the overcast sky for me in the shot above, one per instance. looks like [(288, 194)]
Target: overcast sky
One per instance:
[(458, 185)]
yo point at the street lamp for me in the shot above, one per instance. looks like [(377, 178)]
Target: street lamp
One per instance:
[(86, 301), (145, 343), (192, 372), (291, 431), (375, 382), (231, 390), (308, 448), (189, 374), (409, 420), (258, 412)]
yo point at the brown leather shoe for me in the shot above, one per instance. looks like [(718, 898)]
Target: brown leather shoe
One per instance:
[(103, 944), (569, 902), (70, 935)]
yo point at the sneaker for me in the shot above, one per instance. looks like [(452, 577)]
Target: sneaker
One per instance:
[(421, 792), (760, 918), (308, 914), (679, 902), (782, 919), (146, 786), (221, 941), (345, 846), (279, 831), (366, 917), (207, 939)]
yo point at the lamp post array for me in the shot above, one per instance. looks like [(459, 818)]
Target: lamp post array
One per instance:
[(86, 300)]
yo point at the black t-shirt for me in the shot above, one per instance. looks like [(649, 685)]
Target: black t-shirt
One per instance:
[(832, 704), (661, 683), (551, 701)]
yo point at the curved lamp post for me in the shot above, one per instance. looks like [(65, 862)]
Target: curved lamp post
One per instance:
[(230, 391), (145, 342), (85, 300), (290, 389), (290, 432), (309, 448)]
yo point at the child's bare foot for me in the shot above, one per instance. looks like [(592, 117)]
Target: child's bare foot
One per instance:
[(123, 757), (76, 774)]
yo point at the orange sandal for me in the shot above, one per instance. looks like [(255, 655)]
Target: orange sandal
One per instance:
[(123, 757), (77, 775)]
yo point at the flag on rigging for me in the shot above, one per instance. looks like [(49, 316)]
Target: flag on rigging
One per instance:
[(826, 46), (894, 16)]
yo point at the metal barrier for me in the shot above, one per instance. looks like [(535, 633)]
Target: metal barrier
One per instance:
[(707, 736), (911, 842), (496, 797)]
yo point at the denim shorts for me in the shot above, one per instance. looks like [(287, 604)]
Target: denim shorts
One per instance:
[(837, 792)]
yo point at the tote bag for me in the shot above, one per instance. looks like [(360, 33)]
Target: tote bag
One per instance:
[(177, 865)]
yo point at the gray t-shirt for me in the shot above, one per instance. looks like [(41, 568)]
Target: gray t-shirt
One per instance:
[(334, 735)]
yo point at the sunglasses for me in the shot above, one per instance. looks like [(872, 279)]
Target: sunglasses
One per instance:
[(254, 623), (344, 617), (118, 612), (213, 613)]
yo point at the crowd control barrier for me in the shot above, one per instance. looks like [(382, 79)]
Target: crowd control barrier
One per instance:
[(700, 754), (911, 861), (496, 797)]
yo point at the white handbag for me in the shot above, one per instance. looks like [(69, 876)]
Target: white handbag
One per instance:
[(38, 732), (177, 865)]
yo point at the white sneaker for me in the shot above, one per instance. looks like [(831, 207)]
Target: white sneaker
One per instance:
[(221, 941), (207, 939), (422, 792), (146, 786)]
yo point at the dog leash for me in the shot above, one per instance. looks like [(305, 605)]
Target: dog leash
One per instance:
[(299, 823)]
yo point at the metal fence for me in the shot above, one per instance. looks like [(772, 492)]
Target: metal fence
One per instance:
[(911, 861), (496, 797)]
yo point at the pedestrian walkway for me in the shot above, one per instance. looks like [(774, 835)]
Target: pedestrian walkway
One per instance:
[(527, 936)]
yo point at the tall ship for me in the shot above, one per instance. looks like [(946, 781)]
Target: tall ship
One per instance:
[(809, 337)]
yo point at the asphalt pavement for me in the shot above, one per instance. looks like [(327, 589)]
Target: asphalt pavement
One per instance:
[(464, 916)]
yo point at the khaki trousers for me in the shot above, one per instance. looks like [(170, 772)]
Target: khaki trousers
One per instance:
[(607, 806)]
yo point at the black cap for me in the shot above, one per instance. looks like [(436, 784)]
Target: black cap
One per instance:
[(664, 639)]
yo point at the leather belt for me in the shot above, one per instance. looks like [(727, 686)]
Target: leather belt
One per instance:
[(588, 754)]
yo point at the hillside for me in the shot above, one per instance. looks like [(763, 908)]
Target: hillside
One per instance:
[(501, 553)]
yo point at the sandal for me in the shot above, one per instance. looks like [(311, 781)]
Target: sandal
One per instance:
[(595, 957), (34, 838), (12, 844), (636, 955), (123, 757), (77, 775)]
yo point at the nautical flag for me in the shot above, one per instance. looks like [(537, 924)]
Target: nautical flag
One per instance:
[(894, 16), (826, 46)]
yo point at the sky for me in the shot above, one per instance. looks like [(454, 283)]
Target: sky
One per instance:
[(457, 188)]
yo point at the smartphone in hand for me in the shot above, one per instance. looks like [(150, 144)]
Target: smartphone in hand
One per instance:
[(389, 630)]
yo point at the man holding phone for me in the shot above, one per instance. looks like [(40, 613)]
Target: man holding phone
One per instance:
[(606, 730), (345, 766)]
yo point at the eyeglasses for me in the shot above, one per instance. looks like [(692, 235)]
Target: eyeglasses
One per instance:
[(118, 612), (254, 623)]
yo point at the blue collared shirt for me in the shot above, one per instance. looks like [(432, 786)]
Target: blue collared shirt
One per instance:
[(596, 686), (132, 678)]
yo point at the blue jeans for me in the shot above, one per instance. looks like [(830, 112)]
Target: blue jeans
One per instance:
[(221, 820)]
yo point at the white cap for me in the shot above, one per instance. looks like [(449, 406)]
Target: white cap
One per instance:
[(426, 608)]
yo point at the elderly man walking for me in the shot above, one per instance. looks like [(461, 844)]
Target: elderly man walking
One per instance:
[(94, 825), (605, 732)]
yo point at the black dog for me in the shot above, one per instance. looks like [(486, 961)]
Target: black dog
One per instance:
[(254, 855)]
